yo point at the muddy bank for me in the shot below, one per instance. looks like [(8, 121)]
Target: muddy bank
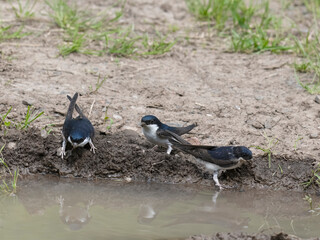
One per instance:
[(127, 155), (245, 236)]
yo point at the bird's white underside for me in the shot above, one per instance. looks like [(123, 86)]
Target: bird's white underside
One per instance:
[(83, 143), (214, 167), (150, 132), (75, 145)]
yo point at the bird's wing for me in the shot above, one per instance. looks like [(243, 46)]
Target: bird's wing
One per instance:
[(78, 109), (173, 137), (181, 130), (222, 156), (71, 106)]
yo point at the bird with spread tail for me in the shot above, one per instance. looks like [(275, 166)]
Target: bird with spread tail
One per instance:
[(77, 131), (155, 131)]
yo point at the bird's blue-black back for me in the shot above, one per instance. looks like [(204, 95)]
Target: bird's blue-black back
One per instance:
[(78, 129), (178, 130), (230, 152), (150, 119)]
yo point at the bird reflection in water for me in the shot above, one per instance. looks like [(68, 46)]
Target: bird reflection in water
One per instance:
[(74, 216), (209, 213), (146, 213)]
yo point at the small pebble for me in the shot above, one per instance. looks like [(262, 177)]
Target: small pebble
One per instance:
[(128, 179), (12, 145), (257, 125), (314, 135), (317, 99), (258, 97), (27, 103), (117, 117), (59, 151), (44, 133), (130, 128)]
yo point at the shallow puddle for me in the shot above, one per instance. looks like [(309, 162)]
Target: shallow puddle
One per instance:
[(49, 208)]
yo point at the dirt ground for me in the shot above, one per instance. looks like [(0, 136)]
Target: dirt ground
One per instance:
[(236, 99), (243, 236)]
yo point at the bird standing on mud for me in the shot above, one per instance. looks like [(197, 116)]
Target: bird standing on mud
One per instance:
[(155, 131), (77, 131), (213, 157)]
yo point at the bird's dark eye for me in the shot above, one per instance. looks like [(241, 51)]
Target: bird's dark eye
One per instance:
[(149, 122)]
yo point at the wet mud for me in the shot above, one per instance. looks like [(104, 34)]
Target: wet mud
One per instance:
[(245, 236), (128, 156)]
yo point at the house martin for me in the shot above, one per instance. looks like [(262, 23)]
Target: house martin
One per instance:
[(213, 157), (77, 131), (155, 131)]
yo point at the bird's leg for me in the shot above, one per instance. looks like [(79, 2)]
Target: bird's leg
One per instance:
[(61, 203), (215, 197), (89, 204), (93, 148), (63, 148), (216, 180), (169, 149), (155, 148)]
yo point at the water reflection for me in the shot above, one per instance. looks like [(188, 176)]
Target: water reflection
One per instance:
[(74, 215), (146, 211), (208, 213)]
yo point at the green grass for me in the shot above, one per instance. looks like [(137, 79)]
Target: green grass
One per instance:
[(3, 118), (158, 46), (68, 17), (309, 50), (8, 32), (30, 117), (257, 41), (315, 178), (98, 84), (296, 142), (74, 43), (99, 34), (309, 200), (23, 11), (6, 188), (268, 149), (217, 10), (312, 208), (122, 43), (250, 25), (108, 120), (313, 6), (229, 14)]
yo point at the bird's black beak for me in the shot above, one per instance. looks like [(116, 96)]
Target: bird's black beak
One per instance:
[(142, 124)]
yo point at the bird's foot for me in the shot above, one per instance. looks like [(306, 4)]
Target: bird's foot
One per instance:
[(223, 186), (169, 149), (63, 147), (60, 200), (220, 187), (90, 203), (62, 152), (155, 148), (93, 148)]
